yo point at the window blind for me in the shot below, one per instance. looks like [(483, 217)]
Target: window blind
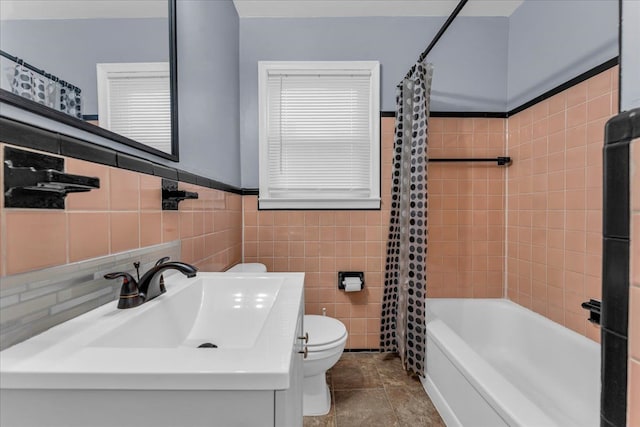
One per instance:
[(135, 101), (319, 136), (140, 109)]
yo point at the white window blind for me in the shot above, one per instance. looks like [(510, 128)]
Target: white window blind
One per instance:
[(135, 101), (320, 136)]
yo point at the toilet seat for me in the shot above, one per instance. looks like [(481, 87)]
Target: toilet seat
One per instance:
[(324, 332)]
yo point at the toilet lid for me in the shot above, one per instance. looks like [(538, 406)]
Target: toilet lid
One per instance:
[(323, 330)]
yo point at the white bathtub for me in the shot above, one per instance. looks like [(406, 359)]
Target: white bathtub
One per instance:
[(491, 362)]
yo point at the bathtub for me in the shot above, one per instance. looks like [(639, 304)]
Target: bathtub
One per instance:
[(491, 362)]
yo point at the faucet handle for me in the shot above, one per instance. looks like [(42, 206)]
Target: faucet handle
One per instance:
[(130, 296), (162, 260), (126, 277)]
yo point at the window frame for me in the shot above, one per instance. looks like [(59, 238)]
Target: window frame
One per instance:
[(265, 68)]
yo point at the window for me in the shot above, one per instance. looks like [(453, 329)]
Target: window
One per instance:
[(319, 135), (134, 100)]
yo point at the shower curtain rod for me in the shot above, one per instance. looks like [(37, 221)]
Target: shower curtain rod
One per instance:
[(437, 37), (39, 71), (501, 161)]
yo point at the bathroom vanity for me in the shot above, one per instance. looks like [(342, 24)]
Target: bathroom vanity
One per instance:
[(221, 349)]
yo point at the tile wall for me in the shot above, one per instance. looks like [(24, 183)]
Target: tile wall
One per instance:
[(125, 214), (466, 209), (466, 232), (633, 398), (554, 201)]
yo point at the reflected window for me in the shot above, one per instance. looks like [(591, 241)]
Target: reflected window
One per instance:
[(134, 101)]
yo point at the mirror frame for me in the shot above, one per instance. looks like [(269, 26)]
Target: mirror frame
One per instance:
[(42, 110)]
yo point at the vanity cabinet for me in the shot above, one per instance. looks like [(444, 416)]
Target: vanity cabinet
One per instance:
[(289, 402), (87, 372)]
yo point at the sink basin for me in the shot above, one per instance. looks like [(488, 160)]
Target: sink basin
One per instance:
[(231, 316), (248, 321)]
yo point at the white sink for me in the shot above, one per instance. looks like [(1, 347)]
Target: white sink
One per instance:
[(251, 318), (230, 315)]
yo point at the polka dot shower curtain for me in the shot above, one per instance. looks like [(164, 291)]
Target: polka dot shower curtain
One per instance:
[(46, 91), (403, 306)]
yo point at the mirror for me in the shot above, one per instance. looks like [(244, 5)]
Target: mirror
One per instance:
[(106, 67)]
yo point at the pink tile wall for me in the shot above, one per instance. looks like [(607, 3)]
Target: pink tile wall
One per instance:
[(466, 209), (634, 297), (466, 232), (554, 201), (124, 214)]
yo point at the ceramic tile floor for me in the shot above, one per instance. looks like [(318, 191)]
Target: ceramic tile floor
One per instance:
[(372, 389)]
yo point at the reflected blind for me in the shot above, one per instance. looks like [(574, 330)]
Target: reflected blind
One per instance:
[(319, 135), (139, 107)]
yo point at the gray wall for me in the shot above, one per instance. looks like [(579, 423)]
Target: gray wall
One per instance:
[(208, 89), (552, 41), (207, 38), (395, 42), (71, 48), (630, 81)]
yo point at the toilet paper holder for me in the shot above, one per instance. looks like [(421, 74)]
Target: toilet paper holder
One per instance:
[(342, 275)]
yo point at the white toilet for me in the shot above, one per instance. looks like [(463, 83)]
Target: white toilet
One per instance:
[(327, 338)]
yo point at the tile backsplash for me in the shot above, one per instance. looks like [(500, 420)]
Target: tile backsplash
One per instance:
[(34, 301), (121, 220)]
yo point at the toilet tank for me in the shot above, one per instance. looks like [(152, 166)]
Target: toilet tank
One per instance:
[(251, 267)]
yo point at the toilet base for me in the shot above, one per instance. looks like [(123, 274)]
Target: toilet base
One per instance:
[(316, 398)]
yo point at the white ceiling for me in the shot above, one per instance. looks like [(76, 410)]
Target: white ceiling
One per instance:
[(347, 8), (86, 9)]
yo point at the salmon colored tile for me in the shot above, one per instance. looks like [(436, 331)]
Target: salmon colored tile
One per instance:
[(557, 103), (577, 94), (124, 189), (576, 115), (598, 85), (150, 193), (265, 218), (576, 199), (88, 235), (170, 226), (599, 107), (94, 200), (387, 125), (186, 250), (633, 398), (125, 231), (593, 332), (208, 222), (198, 223), (186, 224), (575, 322), (634, 323), (635, 245), (280, 218), (34, 240), (576, 136), (198, 248), (150, 228)]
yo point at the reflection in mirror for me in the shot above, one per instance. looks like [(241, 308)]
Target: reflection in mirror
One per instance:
[(104, 62)]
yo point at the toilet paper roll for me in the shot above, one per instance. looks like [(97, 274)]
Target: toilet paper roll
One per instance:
[(352, 284)]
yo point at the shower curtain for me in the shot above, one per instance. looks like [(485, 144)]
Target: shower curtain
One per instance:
[(46, 91), (402, 327)]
